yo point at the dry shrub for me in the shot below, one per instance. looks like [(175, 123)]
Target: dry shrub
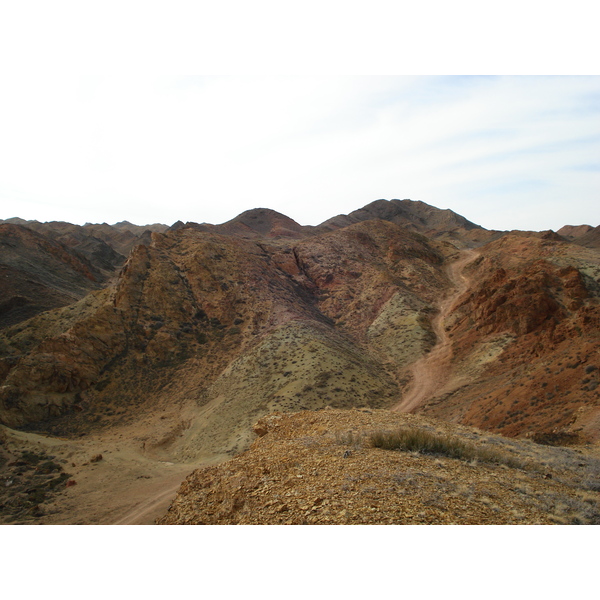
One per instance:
[(426, 442)]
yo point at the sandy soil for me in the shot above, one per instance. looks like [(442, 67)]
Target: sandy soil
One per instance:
[(430, 373), (127, 486)]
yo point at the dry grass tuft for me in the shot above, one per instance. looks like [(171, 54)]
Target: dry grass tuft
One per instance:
[(426, 442)]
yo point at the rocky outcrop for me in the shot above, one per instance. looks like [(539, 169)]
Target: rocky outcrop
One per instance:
[(522, 336), (522, 301), (313, 468)]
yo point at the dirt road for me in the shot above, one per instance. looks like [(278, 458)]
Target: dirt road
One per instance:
[(430, 373), (125, 486), (155, 506)]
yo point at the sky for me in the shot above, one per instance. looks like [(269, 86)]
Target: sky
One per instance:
[(148, 112)]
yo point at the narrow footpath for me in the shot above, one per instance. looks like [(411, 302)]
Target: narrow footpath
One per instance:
[(431, 372)]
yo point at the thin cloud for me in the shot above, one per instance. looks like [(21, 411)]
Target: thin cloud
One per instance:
[(151, 146)]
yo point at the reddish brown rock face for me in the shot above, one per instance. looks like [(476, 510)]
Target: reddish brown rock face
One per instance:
[(261, 313), (201, 298), (540, 318), (521, 301)]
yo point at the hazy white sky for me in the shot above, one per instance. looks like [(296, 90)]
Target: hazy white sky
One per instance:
[(122, 111)]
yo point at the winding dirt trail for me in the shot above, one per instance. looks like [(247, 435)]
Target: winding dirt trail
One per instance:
[(155, 506), (430, 373)]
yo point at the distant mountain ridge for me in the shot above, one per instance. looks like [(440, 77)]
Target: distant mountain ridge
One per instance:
[(415, 215), (572, 232), (104, 248)]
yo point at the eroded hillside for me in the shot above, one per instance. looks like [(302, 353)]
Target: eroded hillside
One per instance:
[(526, 341), (227, 329), (169, 358)]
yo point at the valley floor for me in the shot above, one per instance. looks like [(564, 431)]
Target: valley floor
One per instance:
[(309, 467), (46, 480)]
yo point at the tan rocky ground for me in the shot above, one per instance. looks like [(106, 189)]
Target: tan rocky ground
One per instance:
[(318, 468)]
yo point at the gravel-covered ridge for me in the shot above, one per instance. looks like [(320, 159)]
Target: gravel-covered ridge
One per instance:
[(318, 468)]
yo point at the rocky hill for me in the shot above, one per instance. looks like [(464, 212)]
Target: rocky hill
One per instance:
[(414, 216), (525, 341), (211, 314), (52, 264), (330, 467), (572, 232), (591, 239), (38, 273), (585, 235), (174, 353)]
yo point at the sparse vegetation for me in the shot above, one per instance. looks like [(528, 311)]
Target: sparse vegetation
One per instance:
[(28, 482), (426, 442), (322, 379), (556, 439)]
